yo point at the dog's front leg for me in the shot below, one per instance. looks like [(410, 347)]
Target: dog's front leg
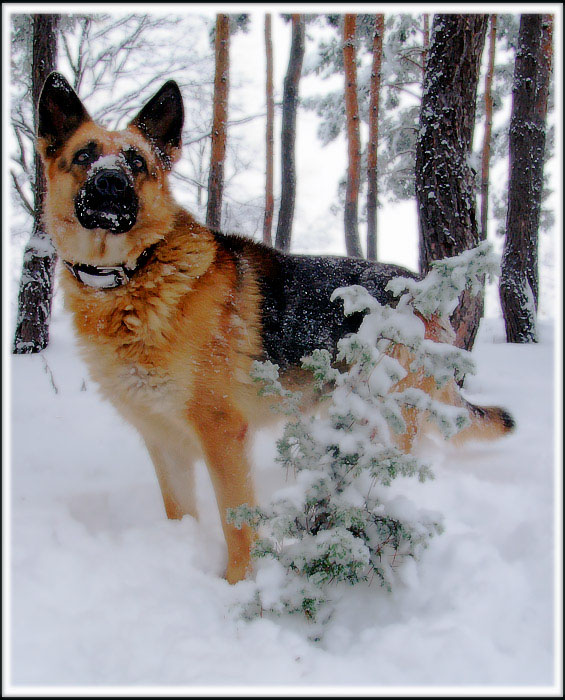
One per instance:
[(174, 466), (223, 435)]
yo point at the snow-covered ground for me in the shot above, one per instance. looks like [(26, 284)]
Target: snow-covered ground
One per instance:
[(105, 591)]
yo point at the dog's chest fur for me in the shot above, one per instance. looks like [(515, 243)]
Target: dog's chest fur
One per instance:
[(124, 352), (184, 329)]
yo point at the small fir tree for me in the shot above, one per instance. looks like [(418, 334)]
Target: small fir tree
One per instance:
[(336, 524)]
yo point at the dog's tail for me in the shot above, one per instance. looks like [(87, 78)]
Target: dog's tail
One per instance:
[(486, 422)]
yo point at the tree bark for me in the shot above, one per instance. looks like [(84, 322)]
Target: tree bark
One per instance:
[(288, 139), (219, 124), (444, 179), (485, 160), (269, 136), (372, 147), (37, 280), (519, 276), (426, 41), (352, 242)]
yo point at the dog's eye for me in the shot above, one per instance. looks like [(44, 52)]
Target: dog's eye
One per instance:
[(136, 162), (84, 157)]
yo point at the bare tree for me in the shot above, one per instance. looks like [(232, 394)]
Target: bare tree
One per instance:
[(444, 180), (372, 147), (102, 53), (219, 125), (485, 159), (269, 135), (519, 276), (288, 137), (36, 285)]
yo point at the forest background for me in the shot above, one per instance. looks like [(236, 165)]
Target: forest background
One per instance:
[(107, 60)]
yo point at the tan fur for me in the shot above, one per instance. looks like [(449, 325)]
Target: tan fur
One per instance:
[(77, 244), (486, 423), (172, 349)]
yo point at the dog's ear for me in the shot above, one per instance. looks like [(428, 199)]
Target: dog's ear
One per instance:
[(161, 121), (59, 113)]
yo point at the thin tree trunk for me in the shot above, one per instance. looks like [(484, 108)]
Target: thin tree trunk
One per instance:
[(352, 242), (444, 179), (269, 136), (372, 147), (36, 285), (426, 42), (519, 275), (219, 125), (288, 138), (485, 161)]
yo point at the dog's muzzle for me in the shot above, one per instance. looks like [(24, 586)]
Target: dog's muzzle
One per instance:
[(108, 201)]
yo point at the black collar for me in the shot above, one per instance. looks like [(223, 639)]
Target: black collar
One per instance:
[(107, 277)]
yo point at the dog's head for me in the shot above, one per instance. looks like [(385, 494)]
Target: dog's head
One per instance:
[(107, 195)]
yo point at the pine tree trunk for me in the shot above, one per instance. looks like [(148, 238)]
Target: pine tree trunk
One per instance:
[(219, 124), (372, 147), (269, 136), (519, 276), (352, 242), (444, 179), (485, 160), (288, 138), (37, 280), (426, 41)]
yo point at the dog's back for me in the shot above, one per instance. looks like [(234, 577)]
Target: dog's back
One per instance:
[(297, 316)]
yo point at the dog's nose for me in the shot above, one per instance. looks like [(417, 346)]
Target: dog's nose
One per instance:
[(110, 183), (107, 201)]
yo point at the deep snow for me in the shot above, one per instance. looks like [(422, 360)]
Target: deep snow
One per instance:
[(106, 592)]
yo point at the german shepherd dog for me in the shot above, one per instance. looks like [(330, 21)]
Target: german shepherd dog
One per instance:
[(170, 315)]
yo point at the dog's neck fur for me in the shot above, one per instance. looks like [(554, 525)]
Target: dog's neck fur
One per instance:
[(128, 315), (109, 276)]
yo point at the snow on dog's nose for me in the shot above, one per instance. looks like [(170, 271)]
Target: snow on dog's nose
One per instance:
[(108, 199)]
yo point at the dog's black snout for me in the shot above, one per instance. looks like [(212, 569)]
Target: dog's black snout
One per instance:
[(108, 201), (110, 183)]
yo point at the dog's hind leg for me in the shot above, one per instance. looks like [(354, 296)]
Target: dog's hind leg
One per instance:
[(413, 417), (404, 441)]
